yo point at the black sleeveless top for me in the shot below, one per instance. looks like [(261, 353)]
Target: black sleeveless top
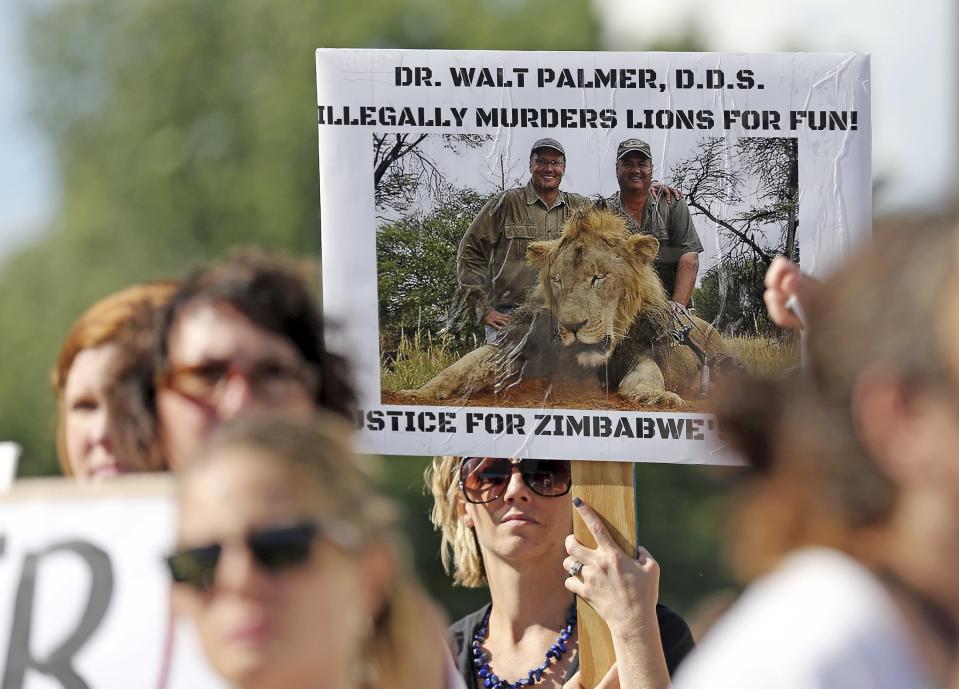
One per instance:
[(673, 630)]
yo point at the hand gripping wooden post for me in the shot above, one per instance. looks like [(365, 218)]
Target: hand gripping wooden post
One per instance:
[(608, 488)]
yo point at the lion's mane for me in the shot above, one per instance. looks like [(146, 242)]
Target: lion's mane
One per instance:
[(528, 346)]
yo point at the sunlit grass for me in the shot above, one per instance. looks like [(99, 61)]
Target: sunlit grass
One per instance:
[(765, 358), (417, 359), (420, 356)]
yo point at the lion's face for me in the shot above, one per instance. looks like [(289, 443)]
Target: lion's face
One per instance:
[(596, 279)]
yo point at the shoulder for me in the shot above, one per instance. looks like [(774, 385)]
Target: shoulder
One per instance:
[(503, 198), (497, 200), (612, 203), (841, 626), (577, 200), (668, 206), (461, 630), (460, 633), (677, 639), (675, 211)]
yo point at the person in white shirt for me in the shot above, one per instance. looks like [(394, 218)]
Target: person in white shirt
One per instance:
[(851, 528)]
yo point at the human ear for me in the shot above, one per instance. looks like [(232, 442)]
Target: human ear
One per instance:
[(465, 518)]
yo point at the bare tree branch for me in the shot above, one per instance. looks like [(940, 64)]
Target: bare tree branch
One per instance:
[(402, 169)]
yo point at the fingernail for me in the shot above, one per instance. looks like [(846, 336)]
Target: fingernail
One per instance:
[(577, 501)]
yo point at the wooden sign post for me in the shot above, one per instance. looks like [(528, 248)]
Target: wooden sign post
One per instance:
[(609, 488)]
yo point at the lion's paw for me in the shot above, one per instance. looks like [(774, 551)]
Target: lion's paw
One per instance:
[(421, 395), (659, 398)]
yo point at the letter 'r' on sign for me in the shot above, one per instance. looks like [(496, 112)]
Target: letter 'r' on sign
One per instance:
[(59, 663)]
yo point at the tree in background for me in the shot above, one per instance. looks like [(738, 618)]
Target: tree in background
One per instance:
[(730, 296), (749, 190), (402, 170), (183, 127), (416, 269)]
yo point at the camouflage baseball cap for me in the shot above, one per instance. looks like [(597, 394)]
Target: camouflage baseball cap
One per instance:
[(547, 143), (633, 145)]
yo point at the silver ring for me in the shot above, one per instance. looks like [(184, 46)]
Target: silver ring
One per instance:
[(575, 568)]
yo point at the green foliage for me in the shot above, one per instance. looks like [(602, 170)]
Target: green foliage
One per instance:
[(418, 358), (183, 127), (416, 268), (730, 296), (680, 511)]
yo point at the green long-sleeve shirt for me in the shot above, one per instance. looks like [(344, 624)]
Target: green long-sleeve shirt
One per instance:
[(491, 261)]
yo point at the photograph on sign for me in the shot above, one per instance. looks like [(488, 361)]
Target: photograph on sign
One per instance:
[(561, 254)]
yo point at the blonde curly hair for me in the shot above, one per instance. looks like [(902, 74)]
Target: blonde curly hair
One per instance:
[(459, 550)]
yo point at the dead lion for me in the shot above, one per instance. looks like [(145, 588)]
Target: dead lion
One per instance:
[(599, 310)]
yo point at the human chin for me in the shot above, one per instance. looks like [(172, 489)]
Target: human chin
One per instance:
[(106, 471), (546, 182), (244, 642)]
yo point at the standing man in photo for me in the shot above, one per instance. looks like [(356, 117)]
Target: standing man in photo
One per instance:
[(668, 220), (491, 261)]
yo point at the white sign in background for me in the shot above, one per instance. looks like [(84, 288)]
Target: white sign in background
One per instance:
[(9, 458), (362, 92), (84, 595)]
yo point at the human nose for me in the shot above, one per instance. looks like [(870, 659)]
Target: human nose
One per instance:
[(238, 572), (236, 396), (100, 426), (516, 488)]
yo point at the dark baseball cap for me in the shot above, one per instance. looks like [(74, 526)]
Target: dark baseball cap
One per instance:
[(547, 143), (633, 145)]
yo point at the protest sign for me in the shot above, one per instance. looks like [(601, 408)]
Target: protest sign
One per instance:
[(84, 595), (9, 457), (434, 219)]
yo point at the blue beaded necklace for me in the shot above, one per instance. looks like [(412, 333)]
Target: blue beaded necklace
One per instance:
[(554, 654)]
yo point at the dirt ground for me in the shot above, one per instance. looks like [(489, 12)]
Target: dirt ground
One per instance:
[(546, 394)]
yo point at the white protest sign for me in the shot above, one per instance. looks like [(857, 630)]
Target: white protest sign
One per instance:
[(84, 595), (9, 457), (771, 153)]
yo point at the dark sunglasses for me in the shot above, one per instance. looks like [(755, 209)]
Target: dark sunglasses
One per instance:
[(484, 479), (274, 550)]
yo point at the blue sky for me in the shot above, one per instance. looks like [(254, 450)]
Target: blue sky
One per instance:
[(28, 179)]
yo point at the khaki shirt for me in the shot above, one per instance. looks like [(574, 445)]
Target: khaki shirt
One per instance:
[(491, 261), (671, 224)]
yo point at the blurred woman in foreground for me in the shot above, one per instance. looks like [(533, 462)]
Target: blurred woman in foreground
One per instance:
[(83, 376), (853, 522), (508, 524), (289, 567)]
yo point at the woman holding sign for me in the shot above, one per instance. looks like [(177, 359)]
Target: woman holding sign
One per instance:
[(288, 564), (507, 524)]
